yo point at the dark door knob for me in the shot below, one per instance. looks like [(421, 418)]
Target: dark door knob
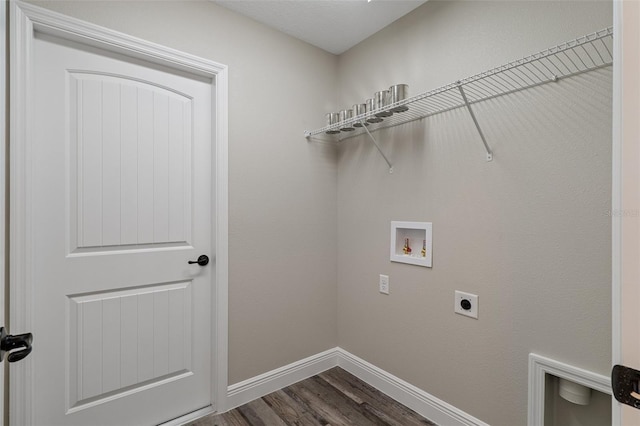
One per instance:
[(202, 260), (9, 343)]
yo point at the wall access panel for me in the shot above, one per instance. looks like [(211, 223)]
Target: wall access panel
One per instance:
[(411, 243)]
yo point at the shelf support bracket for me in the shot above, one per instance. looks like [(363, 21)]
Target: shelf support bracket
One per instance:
[(475, 121), (364, 126)]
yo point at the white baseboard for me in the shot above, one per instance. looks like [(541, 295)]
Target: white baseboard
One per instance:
[(271, 381), (418, 400), (415, 398)]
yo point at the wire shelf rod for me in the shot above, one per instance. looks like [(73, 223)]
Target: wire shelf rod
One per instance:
[(588, 55), (606, 48), (481, 89), (532, 78), (542, 73)]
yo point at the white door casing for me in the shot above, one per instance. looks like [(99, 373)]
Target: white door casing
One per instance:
[(626, 197), (104, 253), (3, 128)]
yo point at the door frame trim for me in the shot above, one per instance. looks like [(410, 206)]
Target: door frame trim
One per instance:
[(4, 6), (25, 19), (616, 201)]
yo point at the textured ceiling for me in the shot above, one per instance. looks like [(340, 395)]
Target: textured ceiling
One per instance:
[(332, 25)]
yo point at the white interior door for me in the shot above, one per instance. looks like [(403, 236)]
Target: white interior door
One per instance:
[(118, 200)]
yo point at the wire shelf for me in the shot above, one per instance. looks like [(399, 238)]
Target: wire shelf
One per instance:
[(578, 56)]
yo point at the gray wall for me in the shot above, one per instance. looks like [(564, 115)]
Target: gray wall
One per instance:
[(282, 191), (528, 232)]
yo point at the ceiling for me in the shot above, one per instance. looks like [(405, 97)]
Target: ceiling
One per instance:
[(332, 25)]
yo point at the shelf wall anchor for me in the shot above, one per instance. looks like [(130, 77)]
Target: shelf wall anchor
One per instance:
[(475, 121), (364, 126)]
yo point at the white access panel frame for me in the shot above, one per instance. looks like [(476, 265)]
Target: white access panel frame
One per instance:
[(416, 232)]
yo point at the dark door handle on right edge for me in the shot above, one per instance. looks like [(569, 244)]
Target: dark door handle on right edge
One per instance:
[(9, 343), (202, 260)]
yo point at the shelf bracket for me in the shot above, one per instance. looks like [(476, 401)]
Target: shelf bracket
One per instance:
[(475, 121), (364, 126)]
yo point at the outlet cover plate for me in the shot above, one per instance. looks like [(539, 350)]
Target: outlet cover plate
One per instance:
[(384, 284), (472, 298)]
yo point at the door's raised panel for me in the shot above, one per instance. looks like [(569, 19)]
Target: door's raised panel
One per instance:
[(125, 341), (130, 148), (111, 162), (130, 144)]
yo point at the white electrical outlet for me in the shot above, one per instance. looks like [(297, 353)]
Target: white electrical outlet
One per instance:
[(384, 284), (466, 304)]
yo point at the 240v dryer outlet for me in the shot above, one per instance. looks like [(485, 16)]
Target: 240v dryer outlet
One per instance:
[(466, 304)]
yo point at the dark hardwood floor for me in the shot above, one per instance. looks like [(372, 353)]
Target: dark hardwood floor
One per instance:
[(334, 398)]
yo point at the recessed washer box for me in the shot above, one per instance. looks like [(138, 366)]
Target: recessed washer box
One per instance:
[(411, 243)]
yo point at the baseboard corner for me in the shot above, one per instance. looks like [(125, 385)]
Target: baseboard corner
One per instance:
[(271, 381), (407, 394), (411, 396)]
